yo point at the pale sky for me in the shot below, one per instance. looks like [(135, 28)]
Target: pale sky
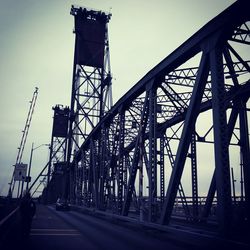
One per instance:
[(37, 47)]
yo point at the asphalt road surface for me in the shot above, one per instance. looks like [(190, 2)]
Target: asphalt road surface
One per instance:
[(59, 230)]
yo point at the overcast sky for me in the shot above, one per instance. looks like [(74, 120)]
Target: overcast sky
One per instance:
[(37, 47)]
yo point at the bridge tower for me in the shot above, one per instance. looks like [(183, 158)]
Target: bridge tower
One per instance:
[(91, 96), (57, 160)]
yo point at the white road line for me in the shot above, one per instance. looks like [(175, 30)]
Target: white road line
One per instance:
[(53, 234), (53, 229)]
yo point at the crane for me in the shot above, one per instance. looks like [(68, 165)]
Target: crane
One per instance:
[(23, 142)]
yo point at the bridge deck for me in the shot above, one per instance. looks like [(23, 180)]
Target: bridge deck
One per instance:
[(60, 230), (53, 229)]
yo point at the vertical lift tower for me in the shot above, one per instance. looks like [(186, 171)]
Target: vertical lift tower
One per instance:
[(91, 94), (57, 160)]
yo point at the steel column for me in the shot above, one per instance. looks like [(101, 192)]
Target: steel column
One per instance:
[(102, 167), (194, 177), (94, 169), (120, 181), (152, 175), (162, 169), (245, 152), (224, 206), (212, 187), (85, 178)]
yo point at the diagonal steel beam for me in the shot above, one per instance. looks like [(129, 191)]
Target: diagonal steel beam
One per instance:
[(190, 119), (212, 187), (134, 167)]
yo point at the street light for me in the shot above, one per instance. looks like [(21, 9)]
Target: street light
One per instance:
[(31, 155)]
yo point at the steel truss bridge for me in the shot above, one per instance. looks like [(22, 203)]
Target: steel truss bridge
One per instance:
[(169, 147)]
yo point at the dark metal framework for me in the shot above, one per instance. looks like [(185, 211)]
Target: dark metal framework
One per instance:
[(190, 109), (91, 86)]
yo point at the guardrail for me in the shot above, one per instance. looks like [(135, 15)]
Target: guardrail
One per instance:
[(9, 229)]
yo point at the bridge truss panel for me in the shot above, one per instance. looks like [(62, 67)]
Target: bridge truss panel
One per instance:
[(186, 111)]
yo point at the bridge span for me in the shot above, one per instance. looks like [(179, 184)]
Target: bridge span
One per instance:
[(159, 167)]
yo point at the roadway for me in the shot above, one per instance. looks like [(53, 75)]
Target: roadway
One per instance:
[(61, 230)]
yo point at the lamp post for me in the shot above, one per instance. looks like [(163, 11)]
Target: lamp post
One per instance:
[(30, 163)]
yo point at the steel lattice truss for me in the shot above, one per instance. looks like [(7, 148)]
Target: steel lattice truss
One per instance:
[(188, 112)]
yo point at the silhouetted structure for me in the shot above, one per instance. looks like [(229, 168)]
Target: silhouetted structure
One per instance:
[(130, 161)]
